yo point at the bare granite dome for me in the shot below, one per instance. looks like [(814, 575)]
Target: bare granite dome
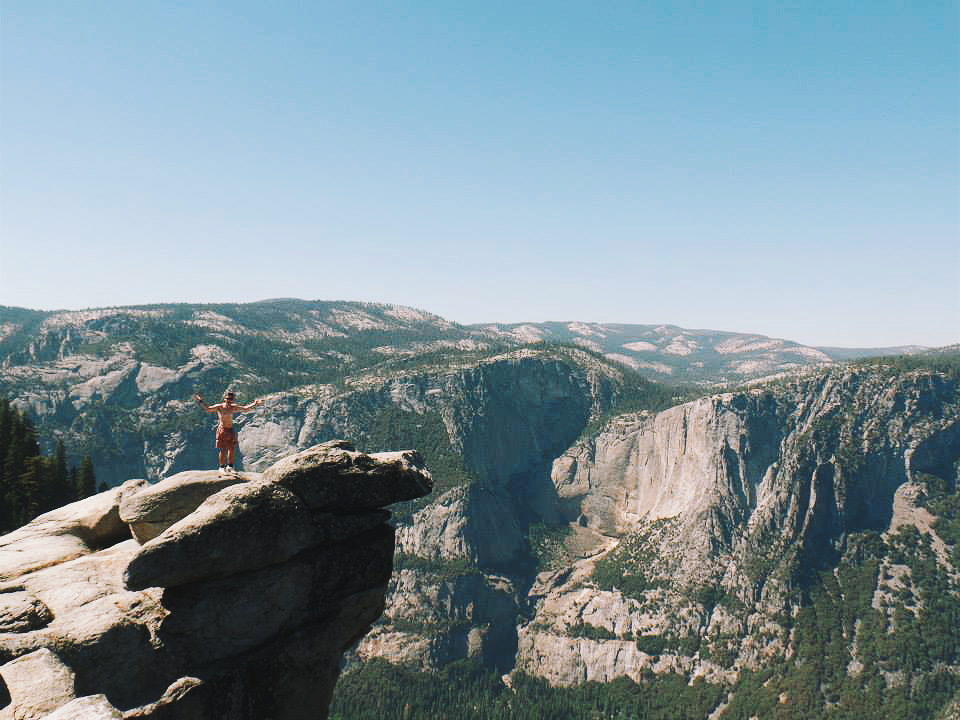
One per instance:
[(201, 596)]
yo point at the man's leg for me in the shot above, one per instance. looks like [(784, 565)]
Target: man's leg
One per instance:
[(230, 456)]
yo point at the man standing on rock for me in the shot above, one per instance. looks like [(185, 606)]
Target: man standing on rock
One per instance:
[(226, 434)]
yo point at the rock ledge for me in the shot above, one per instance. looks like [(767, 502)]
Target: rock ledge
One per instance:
[(201, 596)]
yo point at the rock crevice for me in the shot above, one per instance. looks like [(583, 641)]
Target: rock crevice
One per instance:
[(201, 596)]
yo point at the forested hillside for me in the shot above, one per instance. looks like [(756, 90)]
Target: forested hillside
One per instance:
[(30, 482)]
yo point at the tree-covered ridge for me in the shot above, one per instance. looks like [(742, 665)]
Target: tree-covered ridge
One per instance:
[(31, 483), (875, 638), (317, 337), (274, 345), (33, 335), (945, 361)]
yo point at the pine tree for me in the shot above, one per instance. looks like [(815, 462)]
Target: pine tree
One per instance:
[(73, 479), (28, 435), (31, 484), (19, 480), (61, 491), (29, 490), (86, 479), (6, 420)]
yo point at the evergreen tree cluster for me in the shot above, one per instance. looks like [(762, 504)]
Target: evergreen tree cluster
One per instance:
[(31, 483), (466, 691)]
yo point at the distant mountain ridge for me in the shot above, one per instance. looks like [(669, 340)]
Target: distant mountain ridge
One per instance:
[(666, 353), (669, 353)]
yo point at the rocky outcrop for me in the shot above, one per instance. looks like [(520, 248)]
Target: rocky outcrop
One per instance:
[(201, 597), (721, 508)]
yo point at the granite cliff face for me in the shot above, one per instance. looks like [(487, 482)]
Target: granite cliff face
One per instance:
[(235, 597), (463, 561), (690, 541), (712, 517)]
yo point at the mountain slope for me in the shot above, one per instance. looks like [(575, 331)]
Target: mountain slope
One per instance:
[(792, 540), (797, 544), (669, 353)]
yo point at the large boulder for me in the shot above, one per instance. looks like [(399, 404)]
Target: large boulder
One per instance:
[(38, 683), (156, 507), (234, 600), (334, 475), (20, 611), (66, 533), (90, 707), (243, 527)]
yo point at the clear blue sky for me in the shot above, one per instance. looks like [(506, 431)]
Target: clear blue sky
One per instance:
[(786, 169)]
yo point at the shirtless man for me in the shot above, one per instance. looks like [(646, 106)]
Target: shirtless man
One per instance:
[(226, 435)]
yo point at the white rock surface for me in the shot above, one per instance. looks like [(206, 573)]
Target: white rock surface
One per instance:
[(38, 683), (219, 593)]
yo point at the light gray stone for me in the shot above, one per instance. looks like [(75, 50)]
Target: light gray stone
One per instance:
[(334, 475), (21, 611), (65, 533), (38, 683), (242, 527), (182, 700), (89, 707), (154, 508), (465, 523)]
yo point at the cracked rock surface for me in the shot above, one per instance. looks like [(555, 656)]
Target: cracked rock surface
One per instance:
[(201, 597)]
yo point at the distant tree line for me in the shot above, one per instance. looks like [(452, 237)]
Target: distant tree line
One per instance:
[(464, 690), (945, 361), (31, 483)]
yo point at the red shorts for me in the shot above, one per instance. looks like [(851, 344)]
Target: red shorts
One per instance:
[(226, 438)]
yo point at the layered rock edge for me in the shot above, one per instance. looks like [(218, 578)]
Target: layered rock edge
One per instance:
[(201, 596)]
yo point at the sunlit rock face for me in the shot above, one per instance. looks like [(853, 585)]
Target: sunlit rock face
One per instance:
[(718, 509), (201, 596)]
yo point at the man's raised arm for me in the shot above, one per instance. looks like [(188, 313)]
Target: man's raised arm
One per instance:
[(251, 406), (202, 404)]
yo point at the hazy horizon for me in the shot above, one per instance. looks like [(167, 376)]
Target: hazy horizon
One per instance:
[(490, 322)]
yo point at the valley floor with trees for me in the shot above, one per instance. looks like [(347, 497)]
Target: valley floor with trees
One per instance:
[(465, 691)]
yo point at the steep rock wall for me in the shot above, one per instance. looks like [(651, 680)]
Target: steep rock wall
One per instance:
[(742, 495), (507, 418)]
